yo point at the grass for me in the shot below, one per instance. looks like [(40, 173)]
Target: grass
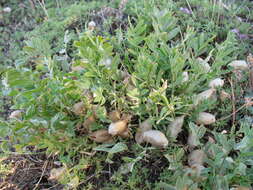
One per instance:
[(133, 63)]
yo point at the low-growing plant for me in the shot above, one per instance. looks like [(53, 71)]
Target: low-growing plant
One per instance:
[(135, 83)]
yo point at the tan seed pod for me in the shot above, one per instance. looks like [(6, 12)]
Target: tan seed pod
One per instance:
[(57, 173), (207, 94), (79, 108), (224, 95), (101, 136), (125, 134), (89, 121), (145, 125), (175, 126), (117, 128), (155, 138), (239, 65), (114, 116), (16, 114), (196, 157), (205, 118), (218, 82)]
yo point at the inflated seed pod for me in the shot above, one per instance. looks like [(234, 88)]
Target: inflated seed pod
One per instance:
[(114, 116), (139, 136), (144, 126), (16, 114), (155, 138), (175, 126), (101, 136), (117, 128), (79, 108), (239, 65), (205, 118), (205, 95), (91, 25), (218, 82), (125, 134), (89, 121)]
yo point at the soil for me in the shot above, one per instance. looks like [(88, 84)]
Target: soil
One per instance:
[(28, 172)]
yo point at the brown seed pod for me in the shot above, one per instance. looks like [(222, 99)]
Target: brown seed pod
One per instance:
[(117, 128), (155, 138), (79, 108), (89, 121), (125, 134), (101, 136), (114, 116)]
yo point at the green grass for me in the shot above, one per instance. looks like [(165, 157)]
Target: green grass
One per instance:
[(154, 43)]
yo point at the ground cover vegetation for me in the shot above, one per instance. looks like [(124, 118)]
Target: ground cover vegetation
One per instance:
[(126, 94)]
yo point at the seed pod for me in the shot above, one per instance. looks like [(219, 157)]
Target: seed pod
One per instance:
[(145, 126), (125, 134), (114, 116), (224, 95), (175, 126), (196, 157), (57, 173), (16, 114), (205, 95), (101, 136), (139, 137), (117, 128), (91, 25), (79, 108), (205, 118), (185, 76), (155, 138), (89, 121), (218, 82), (239, 65), (204, 64)]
